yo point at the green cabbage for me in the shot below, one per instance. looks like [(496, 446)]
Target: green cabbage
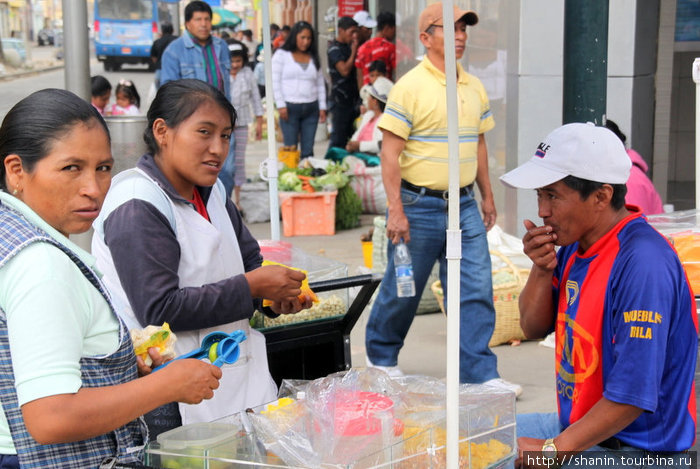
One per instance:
[(289, 181)]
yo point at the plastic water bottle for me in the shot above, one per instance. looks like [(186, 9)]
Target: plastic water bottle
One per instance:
[(405, 287)]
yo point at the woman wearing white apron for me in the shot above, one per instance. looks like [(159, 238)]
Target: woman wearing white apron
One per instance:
[(173, 248)]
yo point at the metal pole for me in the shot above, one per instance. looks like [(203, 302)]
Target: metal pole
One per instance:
[(77, 69), (28, 27), (77, 56), (696, 79), (454, 242), (271, 162), (585, 60)]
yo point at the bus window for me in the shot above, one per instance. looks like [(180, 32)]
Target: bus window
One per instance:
[(125, 9), (125, 29)]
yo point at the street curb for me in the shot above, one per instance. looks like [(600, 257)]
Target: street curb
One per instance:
[(11, 76)]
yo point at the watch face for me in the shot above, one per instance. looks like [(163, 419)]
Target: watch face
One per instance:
[(549, 451)]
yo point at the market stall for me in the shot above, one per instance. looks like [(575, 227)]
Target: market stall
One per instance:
[(354, 419)]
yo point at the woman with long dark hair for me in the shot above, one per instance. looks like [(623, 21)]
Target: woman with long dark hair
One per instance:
[(299, 87)]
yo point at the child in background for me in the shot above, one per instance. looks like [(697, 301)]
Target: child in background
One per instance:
[(245, 98), (101, 91), (128, 100), (376, 69)]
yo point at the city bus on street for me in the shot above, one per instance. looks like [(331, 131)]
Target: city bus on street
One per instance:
[(125, 29)]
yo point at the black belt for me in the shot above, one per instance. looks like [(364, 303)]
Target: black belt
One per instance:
[(432, 192), (614, 443), (611, 443)]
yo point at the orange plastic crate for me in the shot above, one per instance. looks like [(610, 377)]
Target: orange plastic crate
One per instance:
[(306, 213)]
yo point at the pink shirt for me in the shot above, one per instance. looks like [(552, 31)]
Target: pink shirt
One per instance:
[(640, 189), (116, 110), (366, 132)]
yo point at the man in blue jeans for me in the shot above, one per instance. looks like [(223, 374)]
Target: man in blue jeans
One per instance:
[(415, 175)]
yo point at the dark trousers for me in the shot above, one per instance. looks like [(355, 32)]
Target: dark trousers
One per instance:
[(343, 117)]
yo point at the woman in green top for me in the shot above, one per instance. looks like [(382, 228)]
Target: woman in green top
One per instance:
[(68, 374)]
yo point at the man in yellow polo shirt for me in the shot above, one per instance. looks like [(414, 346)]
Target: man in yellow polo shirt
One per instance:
[(415, 174)]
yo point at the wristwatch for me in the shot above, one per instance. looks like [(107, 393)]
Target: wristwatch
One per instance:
[(549, 451)]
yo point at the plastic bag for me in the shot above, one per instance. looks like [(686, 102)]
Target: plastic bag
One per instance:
[(683, 230), (509, 246), (318, 268), (159, 337), (340, 419), (367, 184), (255, 202), (364, 418), (289, 156)]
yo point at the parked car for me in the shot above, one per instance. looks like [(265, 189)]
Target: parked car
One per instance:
[(46, 36)]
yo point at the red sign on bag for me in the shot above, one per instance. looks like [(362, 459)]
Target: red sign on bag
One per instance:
[(349, 7)]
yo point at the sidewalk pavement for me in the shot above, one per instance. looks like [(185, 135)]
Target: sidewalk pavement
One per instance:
[(530, 365), (39, 59)]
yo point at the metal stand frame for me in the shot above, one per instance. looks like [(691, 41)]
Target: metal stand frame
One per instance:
[(316, 349)]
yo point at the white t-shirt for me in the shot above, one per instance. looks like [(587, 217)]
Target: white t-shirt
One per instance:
[(294, 83)]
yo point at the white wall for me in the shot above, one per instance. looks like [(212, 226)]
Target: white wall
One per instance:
[(535, 93), (632, 35)]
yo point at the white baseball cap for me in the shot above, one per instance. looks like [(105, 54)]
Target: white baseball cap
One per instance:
[(581, 150), (362, 18)]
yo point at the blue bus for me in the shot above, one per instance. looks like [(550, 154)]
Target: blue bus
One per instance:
[(125, 29)]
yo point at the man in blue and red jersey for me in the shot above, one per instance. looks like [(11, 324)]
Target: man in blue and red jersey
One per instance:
[(618, 299)]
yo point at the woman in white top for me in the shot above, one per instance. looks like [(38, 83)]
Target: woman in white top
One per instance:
[(299, 87)]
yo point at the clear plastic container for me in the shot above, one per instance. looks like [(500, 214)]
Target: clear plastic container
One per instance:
[(351, 420), (359, 424), (189, 445), (333, 304)]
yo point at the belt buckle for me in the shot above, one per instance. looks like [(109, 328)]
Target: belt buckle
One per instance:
[(445, 195)]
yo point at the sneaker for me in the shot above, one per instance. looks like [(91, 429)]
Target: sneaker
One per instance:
[(392, 371), (505, 385), (548, 341)]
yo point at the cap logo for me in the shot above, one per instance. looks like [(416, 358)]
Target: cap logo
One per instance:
[(541, 150)]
